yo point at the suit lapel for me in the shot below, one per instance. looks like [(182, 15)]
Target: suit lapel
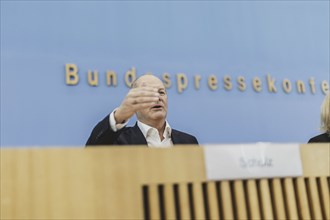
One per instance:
[(175, 137), (137, 136)]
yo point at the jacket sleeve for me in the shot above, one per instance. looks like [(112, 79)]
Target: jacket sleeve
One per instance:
[(102, 134)]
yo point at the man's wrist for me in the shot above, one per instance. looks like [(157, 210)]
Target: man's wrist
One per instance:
[(114, 124), (118, 117)]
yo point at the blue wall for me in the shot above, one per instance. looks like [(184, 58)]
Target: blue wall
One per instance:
[(286, 39)]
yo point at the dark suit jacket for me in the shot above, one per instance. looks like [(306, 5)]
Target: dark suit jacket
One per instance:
[(322, 138), (102, 134)]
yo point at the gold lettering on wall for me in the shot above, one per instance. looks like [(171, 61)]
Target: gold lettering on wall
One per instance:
[(111, 78), (197, 80), (130, 76), (212, 82), (227, 81), (312, 85), (72, 77), (71, 73), (325, 87), (182, 82), (300, 86), (241, 83), (256, 82), (286, 84), (167, 80), (271, 84), (93, 78)]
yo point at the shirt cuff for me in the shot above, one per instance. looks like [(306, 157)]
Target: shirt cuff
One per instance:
[(113, 124)]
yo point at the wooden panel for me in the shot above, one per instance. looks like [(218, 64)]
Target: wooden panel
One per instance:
[(226, 200), (278, 199), (253, 200), (314, 199), (169, 201), (325, 197), (198, 202), (266, 204), (184, 201), (91, 183), (311, 155), (99, 183), (240, 203), (302, 199), (154, 202), (290, 199), (213, 200)]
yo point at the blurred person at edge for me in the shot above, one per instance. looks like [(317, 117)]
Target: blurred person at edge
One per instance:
[(325, 122)]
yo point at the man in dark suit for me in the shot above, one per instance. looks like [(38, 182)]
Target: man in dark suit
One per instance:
[(148, 100)]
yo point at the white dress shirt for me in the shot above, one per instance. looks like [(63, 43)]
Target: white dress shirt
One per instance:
[(150, 133)]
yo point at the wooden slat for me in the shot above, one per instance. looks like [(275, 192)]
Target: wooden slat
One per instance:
[(290, 200), (198, 200), (266, 203), (278, 199), (314, 199), (154, 202), (184, 201), (226, 200), (302, 199), (240, 203), (213, 200), (253, 201), (325, 197), (169, 201)]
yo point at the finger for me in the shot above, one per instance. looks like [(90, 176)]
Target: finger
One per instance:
[(139, 100), (145, 88), (143, 93), (140, 106)]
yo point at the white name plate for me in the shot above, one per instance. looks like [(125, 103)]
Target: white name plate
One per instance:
[(248, 161)]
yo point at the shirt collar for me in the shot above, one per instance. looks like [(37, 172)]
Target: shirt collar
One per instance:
[(146, 129)]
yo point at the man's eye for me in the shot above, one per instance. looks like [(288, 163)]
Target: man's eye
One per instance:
[(162, 92)]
